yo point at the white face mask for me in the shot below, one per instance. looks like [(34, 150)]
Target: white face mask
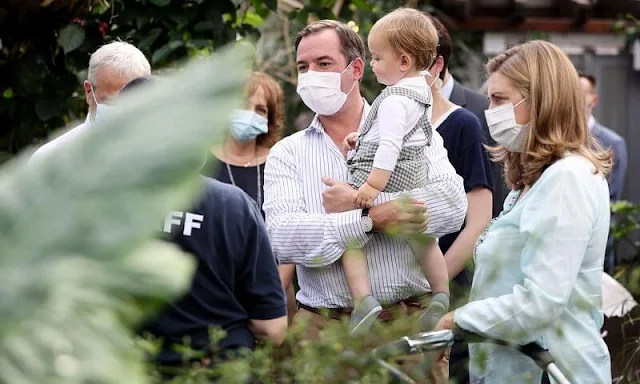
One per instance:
[(321, 91), (101, 109), (428, 74), (504, 129)]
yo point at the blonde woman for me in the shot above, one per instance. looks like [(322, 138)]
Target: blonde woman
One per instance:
[(539, 264)]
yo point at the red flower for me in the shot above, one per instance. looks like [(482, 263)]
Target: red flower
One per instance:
[(77, 20), (103, 28)]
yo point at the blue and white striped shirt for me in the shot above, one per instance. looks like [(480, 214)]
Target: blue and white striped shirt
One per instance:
[(302, 233)]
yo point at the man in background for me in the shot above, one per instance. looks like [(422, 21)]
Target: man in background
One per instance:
[(607, 138), (476, 103), (111, 67)]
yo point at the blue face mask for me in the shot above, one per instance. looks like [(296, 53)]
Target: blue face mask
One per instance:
[(247, 125)]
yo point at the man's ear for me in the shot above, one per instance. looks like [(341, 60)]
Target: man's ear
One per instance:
[(88, 94), (358, 68), (596, 99)]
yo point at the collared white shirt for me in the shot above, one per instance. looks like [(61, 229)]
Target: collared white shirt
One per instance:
[(302, 233), (591, 122), (47, 148), (396, 117), (447, 88)]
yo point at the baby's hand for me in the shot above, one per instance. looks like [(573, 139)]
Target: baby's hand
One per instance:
[(350, 141), (365, 196)]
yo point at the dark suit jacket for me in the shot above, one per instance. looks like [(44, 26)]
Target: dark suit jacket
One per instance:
[(477, 103), (611, 140)]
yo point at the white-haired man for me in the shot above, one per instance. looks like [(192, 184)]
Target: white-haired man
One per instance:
[(111, 67)]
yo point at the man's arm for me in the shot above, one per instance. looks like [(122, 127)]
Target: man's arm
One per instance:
[(261, 292), (298, 237), (273, 330), (287, 271), (444, 193)]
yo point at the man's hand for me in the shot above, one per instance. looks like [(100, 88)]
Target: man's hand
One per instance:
[(338, 197), (365, 196), (402, 216), (350, 141)]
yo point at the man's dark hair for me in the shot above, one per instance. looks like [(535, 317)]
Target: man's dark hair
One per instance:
[(445, 45), (589, 77), (135, 83), (351, 43)]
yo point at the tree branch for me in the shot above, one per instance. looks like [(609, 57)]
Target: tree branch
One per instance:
[(337, 7)]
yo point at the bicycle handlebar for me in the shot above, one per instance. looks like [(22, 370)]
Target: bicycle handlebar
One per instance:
[(433, 341)]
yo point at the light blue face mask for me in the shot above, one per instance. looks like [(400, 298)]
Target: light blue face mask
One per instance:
[(247, 125)]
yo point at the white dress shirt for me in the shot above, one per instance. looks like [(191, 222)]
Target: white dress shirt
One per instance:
[(302, 233), (447, 88), (47, 148), (397, 115)]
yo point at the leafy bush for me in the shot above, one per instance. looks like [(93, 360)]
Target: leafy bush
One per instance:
[(334, 358), (41, 69), (625, 229), (79, 268)]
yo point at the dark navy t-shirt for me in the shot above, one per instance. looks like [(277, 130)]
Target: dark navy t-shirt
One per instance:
[(463, 138), (236, 277)]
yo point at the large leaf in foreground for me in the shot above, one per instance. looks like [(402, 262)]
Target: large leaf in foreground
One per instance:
[(76, 260)]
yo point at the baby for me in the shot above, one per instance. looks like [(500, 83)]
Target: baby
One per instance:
[(390, 152)]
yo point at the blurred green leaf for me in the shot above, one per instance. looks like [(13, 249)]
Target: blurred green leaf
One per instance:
[(271, 4), (162, 53), (253, 19), (148, 41), (78, 266), (8, 93), (160, 3), (47, 109), (71, 37)]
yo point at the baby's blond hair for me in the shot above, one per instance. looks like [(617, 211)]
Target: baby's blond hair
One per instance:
[(411, 32)]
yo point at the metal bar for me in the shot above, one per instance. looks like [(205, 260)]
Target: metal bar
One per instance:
[(542, 24), (553, 371)]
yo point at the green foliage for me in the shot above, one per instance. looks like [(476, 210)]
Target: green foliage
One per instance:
[(625, 229), (40, 77), (333, 358), (78, 266), (628, 25)]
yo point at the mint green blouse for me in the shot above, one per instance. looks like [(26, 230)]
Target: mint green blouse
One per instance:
[(538, 278)]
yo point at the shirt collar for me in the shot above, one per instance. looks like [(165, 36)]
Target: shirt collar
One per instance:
[(447, 88), (415, 81), (88, 120), (316, 125)]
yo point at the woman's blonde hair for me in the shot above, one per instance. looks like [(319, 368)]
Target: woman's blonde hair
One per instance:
[(410, 31), (544, 75), (275, 105)]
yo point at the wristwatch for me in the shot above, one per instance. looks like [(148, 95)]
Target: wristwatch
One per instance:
[(367, 221)]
